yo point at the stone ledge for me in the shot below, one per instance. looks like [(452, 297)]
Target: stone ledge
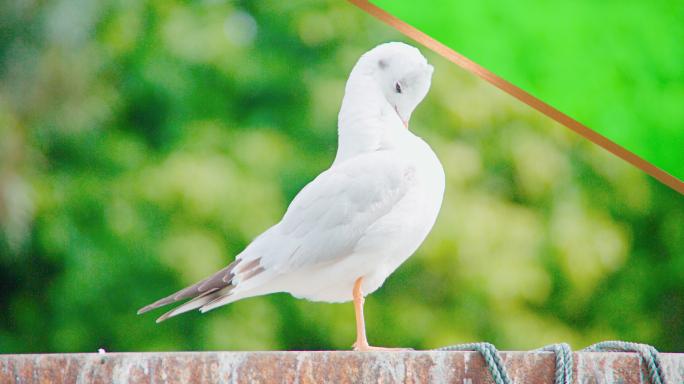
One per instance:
[(322, 367)]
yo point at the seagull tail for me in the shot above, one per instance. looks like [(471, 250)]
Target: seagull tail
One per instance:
[(195, 303), (221, 300), (216, 282)]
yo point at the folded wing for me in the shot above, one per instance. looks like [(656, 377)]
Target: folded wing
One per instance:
[(323, 224)]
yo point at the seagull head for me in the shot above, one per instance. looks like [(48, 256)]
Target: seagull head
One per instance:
[(402, 74)]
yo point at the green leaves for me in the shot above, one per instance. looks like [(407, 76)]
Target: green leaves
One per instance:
[(144, 149)]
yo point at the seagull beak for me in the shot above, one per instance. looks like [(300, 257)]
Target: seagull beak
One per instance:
[(403, 121), (406, 121)]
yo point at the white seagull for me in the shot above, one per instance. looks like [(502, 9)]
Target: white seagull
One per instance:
[(355, 223)]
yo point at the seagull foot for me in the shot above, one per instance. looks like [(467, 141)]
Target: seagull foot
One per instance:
[(380, 349), (368, 348)]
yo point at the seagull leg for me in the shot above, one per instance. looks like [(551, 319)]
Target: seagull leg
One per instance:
[(361, 341)]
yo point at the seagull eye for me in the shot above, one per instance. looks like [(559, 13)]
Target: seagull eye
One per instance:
[(398, 87)]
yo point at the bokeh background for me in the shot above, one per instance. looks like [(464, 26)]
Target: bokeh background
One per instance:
[(144, 143), (616, 66)]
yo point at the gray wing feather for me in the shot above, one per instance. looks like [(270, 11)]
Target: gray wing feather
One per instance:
[(331, 215)]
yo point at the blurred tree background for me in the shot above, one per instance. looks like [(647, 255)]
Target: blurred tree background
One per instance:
[(144, 143)]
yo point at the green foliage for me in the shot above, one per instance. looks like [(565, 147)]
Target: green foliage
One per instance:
[(615, 66), (143, 144)]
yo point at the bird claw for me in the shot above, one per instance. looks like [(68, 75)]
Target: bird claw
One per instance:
[(381, 349), (368, 348)]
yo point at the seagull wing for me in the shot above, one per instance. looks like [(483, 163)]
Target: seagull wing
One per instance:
[(329, 217), (324, 223)]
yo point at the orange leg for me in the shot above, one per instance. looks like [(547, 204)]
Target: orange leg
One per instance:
[(361, 341)]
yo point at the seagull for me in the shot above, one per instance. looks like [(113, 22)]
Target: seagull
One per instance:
[(357, 222)]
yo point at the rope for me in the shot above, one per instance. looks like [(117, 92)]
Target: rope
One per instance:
[(491, 356), (564, 360), (646, 352), (564, 364)]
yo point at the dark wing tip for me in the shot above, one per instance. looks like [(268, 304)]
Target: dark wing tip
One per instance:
[(164, 317), (145, 309), (162, 302), (210, 284)]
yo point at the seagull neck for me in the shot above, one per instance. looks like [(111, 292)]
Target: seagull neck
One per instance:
[(363, 119)]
